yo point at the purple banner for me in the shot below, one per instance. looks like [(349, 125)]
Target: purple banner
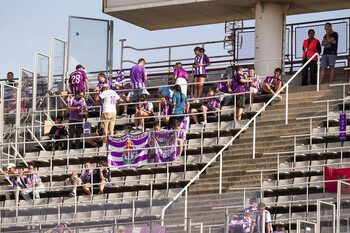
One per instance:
[(342, 126), (164, 143)]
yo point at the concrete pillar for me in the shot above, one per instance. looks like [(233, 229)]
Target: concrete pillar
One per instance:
[(270, 27)]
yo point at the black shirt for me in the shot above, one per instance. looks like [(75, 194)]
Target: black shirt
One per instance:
[(331, 48), (58, 132)]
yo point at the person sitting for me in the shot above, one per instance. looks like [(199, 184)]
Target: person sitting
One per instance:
[(144, 109), (98, 141), (273, 84), (255, 86), (179, 101), (180, 77), (180, 136), (212, 104), (126, 94), (84, 179), (223, 88), (58, 131), (101, 176), (17, 183), (33, 181), (101, 81), (120, 79)]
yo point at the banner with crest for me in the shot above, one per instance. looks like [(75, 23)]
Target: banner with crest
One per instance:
[(164, 143), (128, 150)]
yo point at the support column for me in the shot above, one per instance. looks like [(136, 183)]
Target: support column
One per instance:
[(269, 37)]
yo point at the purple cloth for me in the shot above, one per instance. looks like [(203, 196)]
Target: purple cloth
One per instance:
[(77, 81), (215, 103), (33, 178), (17, 180), (237, 86), (257, 81), (99, 85), (200, 60), (75, 113), (240, 223), (181, 73), (137, 73), (147, 106), (164, 142), (86, 176), (251, 209), (270, 80), (223, 87)]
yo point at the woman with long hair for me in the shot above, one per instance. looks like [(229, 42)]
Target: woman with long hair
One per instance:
[(180, 105), (200, 62)]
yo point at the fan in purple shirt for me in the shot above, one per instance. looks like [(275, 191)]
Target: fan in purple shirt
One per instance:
[(60, 228), (254, 87), (101, 80), (126, 94), (180, 137), (238, 82), (213, 104), (138, 76), (273, 84), (77, 79), (181, 77), (120, 79), (223, 88), (200, 62)]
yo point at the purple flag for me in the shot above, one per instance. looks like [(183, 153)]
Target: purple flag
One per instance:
[(163, 142), (342, 126)]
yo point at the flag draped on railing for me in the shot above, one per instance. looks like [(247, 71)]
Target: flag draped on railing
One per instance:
[(164, 143), (336, 174)]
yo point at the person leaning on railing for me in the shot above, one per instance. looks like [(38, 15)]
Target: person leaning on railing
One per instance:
[(179, 102), (33, 180)]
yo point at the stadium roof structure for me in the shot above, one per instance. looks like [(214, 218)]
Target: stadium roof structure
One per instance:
[(164, 14)]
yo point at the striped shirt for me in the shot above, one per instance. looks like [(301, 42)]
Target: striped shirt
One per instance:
[(271, 80), (257, 81), (33, 178), (147, 107), (137, 74), (17, 181), (200, 60)]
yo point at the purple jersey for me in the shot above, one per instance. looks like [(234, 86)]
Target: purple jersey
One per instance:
[(33, 178), (237, 86), (99, 85), (200, 60), (77, 81), (75, 114), (181, 73), (256, 80), (241, 223), (167, 109), (147, 106), (215, 103), (17, 181), (137, 74), (223, 87), (271, 80)]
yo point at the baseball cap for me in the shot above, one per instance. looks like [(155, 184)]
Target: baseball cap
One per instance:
[(79, 66), (105, 85), (225, 75), (10, 165)]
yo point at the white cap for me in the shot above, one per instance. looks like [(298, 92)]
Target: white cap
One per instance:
[(10, 165)]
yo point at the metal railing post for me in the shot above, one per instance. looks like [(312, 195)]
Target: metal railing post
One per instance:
[(122, 53), (318, 72), (188, 225), (220, 178), (338, 205), (254, 137), (227, 221), (287, 100)]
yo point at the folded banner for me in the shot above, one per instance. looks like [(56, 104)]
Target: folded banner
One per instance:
[(128, 150), (164, 142), (336, 174), (342, 126)]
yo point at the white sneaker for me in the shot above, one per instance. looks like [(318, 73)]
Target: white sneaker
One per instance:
[(139, 127), (278, 97), (204, 122), (134, 127)]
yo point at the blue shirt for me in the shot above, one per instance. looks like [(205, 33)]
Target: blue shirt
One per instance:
[(167, 91), (180, 106)]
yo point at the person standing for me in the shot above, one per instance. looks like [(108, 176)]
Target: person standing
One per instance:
[(255, 86), (77, 106), (200, 62), (238, 82), (310, 47), (77, 79), (10, 80), (180, 106), (109, 111), (330, 44), (181, 77), (138, 75), (258, 220)]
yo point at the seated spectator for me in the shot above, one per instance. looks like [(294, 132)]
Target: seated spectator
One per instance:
[(181, 137), (10, 80), (241, 224), (180, 77), (120, 79), (126, 94), (102, 176), (98, 141), (144, 109), (179, 101), (255, 86), (238, 82), (223, 88), (212, 104), (257, 220), (60, 228), (273, 84), (165, 94), (34, 182), (58, 131), (84, 179), (17, 183), (166, 109), (101, 81), (280, 229)]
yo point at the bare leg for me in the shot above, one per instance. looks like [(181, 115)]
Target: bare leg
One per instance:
[(136, 121), (102, 186), (331, 74), (180, 142), (105, 133), (252, 94), (200, 87), (267, 88), (239, 113), (86, 188), (196, 80), (204, 110), (322, 73), (194, 116), (278, 86)]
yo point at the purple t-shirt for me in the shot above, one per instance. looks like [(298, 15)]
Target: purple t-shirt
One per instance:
[(77, 81), (215, 103), (137, 73), (75, 113), (200, 60), (99, 85), (270, 80), (237, 86), (181, 73), (223, 87)]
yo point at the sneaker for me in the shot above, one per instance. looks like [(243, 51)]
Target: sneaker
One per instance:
[(75, 179), (139, 127), (278, 97), (204, 122), (134, 127), (348, 92), (72, 194)]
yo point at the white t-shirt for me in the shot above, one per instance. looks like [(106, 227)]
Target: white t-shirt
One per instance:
[(109, 99)]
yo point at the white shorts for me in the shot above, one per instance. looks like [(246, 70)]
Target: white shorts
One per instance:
[(183, 84)]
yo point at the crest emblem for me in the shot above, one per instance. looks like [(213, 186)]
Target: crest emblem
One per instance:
[(129, 153)]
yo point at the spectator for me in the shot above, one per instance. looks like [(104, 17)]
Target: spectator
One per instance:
[(138, 75), (102, 176), (223, 88), (66, 95), (109, 112), (310, 47), (58, 131), (280, 229), (33, 181), (126, 96), (255, 86), (77, 79), (330, 44), (10, 80), (253, 206), (84, 179), (180, 136), (98, 141), (241, 224), (120, 79), (200, 62), (238, 82), (60, 228), (101, 81), (273, 84), (258, 220), (17, 182), (166, 91), (179, 101), (181, 77), (77, 106), (144, 109), (166, 109), (213, 104)]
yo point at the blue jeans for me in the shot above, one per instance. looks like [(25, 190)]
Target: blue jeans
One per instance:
[(328, 60)]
